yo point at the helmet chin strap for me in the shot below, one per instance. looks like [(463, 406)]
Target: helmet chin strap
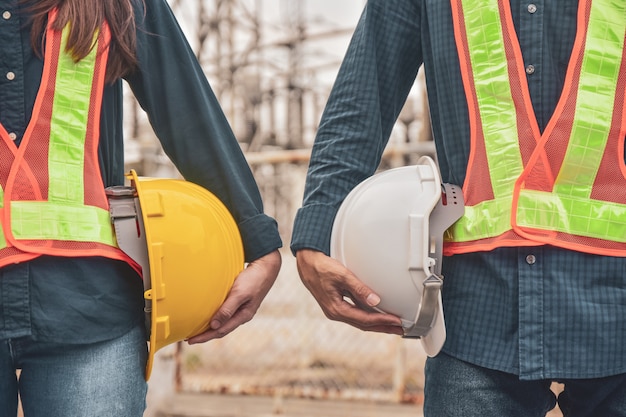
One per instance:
[(449, 209), (429, 308)]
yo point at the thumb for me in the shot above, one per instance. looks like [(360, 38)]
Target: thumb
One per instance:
[(372, 299), (361, 293), (222, 315)]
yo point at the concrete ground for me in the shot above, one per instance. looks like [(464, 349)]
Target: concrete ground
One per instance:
[(220, 405), (216, 405)]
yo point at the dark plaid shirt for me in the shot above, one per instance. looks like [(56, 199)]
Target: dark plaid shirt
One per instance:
[(540, 312), (80, 300)]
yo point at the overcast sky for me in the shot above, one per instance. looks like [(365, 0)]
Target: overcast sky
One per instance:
[(320, 16)]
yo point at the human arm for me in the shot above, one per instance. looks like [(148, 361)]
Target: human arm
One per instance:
[(188, 120), (376, 75)]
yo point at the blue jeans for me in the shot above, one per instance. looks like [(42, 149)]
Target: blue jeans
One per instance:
[(103, 379), (456, 388)]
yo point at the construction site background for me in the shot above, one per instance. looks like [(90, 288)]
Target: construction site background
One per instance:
[(271, 65)]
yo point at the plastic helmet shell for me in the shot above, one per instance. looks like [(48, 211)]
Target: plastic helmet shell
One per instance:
[(381, 233), (195, 253)]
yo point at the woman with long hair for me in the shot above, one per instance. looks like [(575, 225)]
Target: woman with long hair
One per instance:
[(71, 306)]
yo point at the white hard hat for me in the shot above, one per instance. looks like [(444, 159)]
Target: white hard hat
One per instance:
[(389, 233)]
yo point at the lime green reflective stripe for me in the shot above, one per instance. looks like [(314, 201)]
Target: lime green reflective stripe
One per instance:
[(596, 94), (68, 126), (3, 242), (64, 216), (33, 220), (585, 217), (498, 118), (493, 91), (482, 221)]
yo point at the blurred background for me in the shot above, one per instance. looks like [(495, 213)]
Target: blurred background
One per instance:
[(271, 64)]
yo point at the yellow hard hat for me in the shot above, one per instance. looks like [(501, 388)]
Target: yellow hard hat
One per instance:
[(190, 251)]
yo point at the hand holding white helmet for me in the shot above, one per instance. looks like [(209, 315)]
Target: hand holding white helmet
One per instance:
[(389, 233)]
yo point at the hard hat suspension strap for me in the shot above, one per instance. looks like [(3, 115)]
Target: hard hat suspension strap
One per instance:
[(127, 219)]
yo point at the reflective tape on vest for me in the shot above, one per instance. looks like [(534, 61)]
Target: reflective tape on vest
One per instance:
[(551, 187), (64, 216)]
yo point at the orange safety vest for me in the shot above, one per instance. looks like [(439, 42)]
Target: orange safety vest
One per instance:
[(52, 196), (566, 186)]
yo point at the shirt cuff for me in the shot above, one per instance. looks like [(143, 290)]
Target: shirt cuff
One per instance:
[(312, 228), (260, 236)]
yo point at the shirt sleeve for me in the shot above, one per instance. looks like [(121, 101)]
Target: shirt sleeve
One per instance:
[(185, 115), (374, 80)]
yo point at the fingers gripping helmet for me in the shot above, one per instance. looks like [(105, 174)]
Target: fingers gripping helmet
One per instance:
[(389, 233), (189, 248)]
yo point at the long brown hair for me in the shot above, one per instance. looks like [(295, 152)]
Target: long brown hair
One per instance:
[(87, 16)]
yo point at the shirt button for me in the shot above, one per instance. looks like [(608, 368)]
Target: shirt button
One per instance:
[(6, 15), (530, 259), (532, 8), (530, 69), (13, 135), (10, 75)]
